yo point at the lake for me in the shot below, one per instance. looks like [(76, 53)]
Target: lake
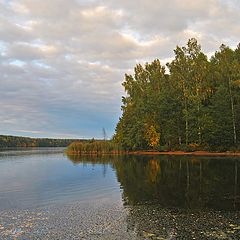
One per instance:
[(45, 194)]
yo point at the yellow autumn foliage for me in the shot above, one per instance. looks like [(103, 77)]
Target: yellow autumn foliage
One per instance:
[(152, 135)]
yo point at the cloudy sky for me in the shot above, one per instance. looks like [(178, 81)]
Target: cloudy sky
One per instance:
[(62, 61)]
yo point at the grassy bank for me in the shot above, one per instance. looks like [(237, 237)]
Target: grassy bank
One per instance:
[(103, 147), (97, 147)]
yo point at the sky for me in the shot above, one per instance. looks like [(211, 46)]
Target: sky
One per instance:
[(62, 62)]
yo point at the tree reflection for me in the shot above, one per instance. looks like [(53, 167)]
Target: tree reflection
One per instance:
[(173, 181)]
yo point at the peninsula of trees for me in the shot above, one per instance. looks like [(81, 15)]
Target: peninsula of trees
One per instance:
[(192, 103)]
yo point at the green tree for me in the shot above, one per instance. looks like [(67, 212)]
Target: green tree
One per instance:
[(226, 73), (190, 70)]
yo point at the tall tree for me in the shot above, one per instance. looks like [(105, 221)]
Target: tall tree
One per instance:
[(226, 73), (190, 70)]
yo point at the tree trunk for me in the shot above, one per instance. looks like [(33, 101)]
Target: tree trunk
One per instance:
[(186, 121), (233, 112), (199, 127)]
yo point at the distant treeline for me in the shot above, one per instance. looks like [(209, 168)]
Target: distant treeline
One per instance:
[(193, 105), (14, 141)]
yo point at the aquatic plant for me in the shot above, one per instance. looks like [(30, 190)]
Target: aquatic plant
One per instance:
[(95, 147)]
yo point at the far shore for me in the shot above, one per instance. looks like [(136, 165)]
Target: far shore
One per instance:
[(196, 153)]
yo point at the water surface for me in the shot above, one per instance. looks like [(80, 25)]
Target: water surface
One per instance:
[(43, 177), (46, 195)]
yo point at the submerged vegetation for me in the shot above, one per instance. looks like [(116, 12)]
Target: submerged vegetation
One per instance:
[(195, 105), (94, 147)]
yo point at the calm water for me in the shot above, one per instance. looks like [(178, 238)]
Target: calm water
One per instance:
[(38, 178)]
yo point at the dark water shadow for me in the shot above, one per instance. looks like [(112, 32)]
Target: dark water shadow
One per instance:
[(175, 181)]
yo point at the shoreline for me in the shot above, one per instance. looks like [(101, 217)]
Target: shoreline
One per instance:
[(182, 153), (173, 153)]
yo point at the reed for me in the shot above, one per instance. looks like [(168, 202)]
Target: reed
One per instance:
[(97, 147)]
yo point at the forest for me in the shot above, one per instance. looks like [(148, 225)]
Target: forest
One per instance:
[(192, 103), (15, 141)]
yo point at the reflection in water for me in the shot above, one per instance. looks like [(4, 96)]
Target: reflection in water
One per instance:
[(170, 181)]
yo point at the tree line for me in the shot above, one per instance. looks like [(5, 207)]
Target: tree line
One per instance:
[(191, 103)]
